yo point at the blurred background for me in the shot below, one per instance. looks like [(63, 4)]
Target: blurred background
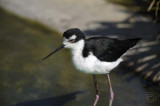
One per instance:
[(30, 29)]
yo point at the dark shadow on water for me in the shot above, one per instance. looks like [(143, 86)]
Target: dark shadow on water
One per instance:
[(129, 28), (146, 61), (53, 101)]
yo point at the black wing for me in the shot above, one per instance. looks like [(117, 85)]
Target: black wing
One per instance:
[(108, 49)]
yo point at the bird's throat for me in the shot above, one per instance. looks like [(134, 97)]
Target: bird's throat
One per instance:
[(78, 48)]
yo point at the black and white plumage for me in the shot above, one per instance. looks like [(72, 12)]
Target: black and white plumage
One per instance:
[(107, 49), (96, 55)]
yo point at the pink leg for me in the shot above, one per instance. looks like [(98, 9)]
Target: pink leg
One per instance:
[(111, 91), (97, 91)]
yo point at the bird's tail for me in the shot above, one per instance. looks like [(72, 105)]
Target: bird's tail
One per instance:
[(132, 42)]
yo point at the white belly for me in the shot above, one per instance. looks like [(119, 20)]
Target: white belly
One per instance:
[(92, 65)]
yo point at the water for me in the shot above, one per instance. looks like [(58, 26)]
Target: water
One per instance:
[(25, 80)]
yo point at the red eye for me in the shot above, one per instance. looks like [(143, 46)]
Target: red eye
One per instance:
[(72, 40)]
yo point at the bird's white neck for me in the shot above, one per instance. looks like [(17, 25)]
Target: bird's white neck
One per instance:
[(77, 48)]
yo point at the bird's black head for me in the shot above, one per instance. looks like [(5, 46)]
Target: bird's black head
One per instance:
[(74, 35), (72, 38)]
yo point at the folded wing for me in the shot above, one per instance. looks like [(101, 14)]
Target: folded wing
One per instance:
[(108, 49)]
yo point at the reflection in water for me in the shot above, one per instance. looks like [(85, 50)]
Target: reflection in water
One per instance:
[(53, 101), (25, 79)]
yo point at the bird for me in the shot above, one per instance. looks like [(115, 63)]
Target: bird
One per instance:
[(95, 55)]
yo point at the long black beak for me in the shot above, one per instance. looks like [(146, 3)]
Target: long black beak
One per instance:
[(60, 47)]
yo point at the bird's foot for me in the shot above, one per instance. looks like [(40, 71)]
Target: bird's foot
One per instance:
[(96, 100)]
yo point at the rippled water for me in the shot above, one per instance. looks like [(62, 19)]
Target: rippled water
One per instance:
[(25, 80)]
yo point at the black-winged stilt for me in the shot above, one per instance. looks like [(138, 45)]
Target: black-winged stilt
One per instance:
[(96, 55)]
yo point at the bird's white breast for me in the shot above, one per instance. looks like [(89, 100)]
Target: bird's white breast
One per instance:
[(90, 64)]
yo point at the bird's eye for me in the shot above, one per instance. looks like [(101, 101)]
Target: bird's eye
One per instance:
[(72, 40)]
